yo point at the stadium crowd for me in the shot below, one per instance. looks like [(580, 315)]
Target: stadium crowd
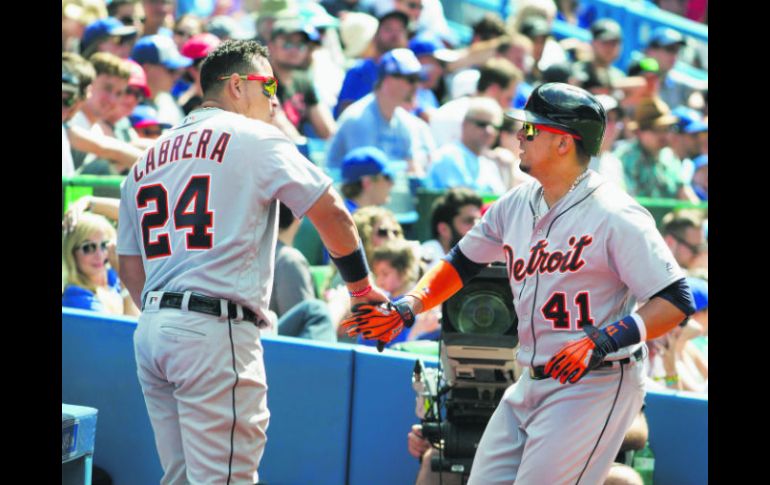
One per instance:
[(381, 91)]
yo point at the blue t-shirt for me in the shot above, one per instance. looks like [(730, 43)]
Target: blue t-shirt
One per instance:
[(455, 165), (523, 90), (426, 99), (83, 298), (359, 81)]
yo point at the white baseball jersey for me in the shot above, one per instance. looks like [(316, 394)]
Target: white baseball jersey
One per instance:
[(200, 206), (588, 259)]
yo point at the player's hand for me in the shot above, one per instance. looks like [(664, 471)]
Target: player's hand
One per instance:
[(379, 321), (575, 359)]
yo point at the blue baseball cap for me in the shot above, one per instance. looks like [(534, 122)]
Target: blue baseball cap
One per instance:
[(700, 161), (368, 160), (399, 62), (690, 120), (103, 28), (144, 115), (159, 49), (699, 289), (428, 44), (664, 37)]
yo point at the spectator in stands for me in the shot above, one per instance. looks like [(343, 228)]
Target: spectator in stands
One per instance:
[(505, 153), (361, 78), (357, 31), (158, 17), (144, 120), (108, 35), (676, 87), (599, 75), (269, 11), (127, 11), (650, 166), (498, 79), (607, 163), (289, 50), (77, 76), (379, 119), (108, 86), (89, 262), (645, 73), (163, 64), (185, 27), (452, 215), (226, 27), (75, 16), (367, 178), (684, 235), (196, 48), (434, 57), (553, 52), (292, 298), (686, 138), (538, 31), (518, 49), (463, 163)]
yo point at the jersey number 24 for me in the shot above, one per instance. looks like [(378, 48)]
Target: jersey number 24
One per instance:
[(191, 212)]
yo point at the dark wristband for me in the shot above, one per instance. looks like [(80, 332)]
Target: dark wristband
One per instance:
[(352, 267)]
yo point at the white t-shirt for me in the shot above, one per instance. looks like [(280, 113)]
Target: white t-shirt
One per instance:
[(67, 165)]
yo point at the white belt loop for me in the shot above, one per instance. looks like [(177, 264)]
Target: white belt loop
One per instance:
[(238, 312), (186, 301), (223, 312)]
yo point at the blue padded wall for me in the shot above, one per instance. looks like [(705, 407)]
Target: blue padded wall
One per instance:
[(99, 370), (678, 423), (383, 413), (309, 397)]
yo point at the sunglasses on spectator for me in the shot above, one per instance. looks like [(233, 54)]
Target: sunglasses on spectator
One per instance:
[(287, 44), (672, 49), (695, 248), (532, 130), (152, 130), (127, 20), (412, 79), (89, 247), (269, 83), (414, 5), (386, 232), (482, 123), (136, 92), (182, 33)]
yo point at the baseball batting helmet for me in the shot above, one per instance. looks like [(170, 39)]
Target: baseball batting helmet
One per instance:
[(567, 108)]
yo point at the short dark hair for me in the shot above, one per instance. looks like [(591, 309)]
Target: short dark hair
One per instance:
[(446, 207), (351, 190), (285, 216), (498, 71), (677, 223), (231, 56), (491, 25)]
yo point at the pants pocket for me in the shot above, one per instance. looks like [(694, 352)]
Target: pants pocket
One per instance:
[(181, 331)]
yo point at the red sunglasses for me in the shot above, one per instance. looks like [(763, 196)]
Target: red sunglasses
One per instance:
[(269, 83)]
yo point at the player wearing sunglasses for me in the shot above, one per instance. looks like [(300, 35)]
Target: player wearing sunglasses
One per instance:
[(197, 238)]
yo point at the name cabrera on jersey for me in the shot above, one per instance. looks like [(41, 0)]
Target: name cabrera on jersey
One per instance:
[(588, 259), (200, 206)]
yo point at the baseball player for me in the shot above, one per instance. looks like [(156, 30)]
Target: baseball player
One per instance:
[(197, 237), (580, 254)]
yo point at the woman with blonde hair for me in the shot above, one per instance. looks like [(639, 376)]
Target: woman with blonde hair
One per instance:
[(89, 275)]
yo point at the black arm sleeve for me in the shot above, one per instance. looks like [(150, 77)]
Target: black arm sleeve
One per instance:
[(466, 268), (678, 294)]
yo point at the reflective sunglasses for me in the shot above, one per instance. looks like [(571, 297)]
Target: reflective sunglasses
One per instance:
[(269, 83), (533, 130), (287, 44), (482, 123), (89, 247), (414, 5), (385, 232)]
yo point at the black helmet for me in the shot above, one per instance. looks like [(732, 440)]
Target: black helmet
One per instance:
[(567, 108)]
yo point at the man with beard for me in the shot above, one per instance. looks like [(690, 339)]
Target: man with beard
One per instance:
[(453, 214)]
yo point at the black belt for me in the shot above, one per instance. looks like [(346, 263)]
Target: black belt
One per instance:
[(206, 304), (538, 372)]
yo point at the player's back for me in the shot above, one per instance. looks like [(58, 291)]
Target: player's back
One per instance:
[(200, 202)]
